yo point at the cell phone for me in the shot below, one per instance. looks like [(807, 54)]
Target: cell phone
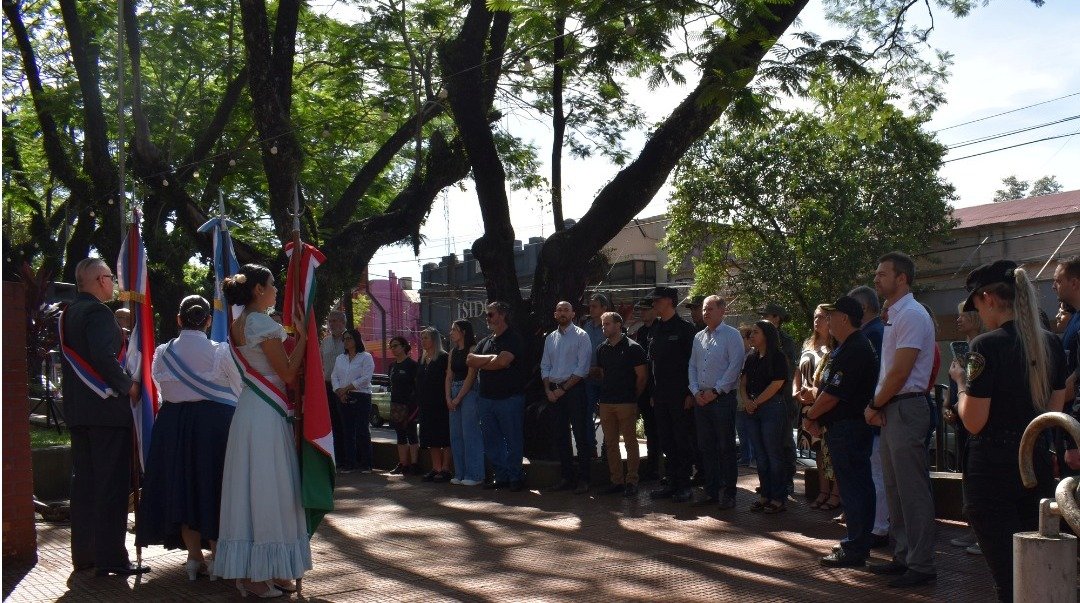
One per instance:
[(959, 349)]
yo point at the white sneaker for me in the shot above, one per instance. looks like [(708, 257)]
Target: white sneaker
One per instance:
[(470, 482), (455, 481)]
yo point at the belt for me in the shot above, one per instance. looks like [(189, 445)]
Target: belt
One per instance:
[(554, 385), (910, 395)]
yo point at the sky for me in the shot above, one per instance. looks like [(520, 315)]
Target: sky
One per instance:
[(1006, 56)]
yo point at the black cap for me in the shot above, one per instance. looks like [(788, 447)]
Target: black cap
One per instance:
[(668, 292), (693, 301), (1001, 271), (846, 305), (773, 309), (644, 303)]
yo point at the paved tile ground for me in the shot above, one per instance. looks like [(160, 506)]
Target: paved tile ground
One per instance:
[(395, 539)]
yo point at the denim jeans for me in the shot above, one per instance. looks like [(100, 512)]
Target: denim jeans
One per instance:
[(850, 442), (592, 393), (716, 439), (466, 439), (746, 446), (572, 411), (767, 433), (997, 505), (502, 422), (356, 431)]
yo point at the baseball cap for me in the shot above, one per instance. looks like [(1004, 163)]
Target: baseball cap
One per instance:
[(773, 309), (1001, 271), (693, 301), (668, 292), (846, 305)]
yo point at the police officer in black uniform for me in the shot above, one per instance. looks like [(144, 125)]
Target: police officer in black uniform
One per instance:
[(672, 339), (650, 466), (848, 380), (1014, 372)]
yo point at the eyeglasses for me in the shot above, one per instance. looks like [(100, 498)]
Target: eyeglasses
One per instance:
[(110, 275)]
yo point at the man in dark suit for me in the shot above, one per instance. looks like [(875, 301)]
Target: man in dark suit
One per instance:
[(100, 421)]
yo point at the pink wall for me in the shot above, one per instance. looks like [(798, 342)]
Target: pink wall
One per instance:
[(402, 318)]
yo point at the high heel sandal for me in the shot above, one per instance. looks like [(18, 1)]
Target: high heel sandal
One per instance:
[(196, 568), (269, 593), (829, 505), (820, 500)]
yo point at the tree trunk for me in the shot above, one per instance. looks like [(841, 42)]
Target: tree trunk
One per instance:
[(729, 67), (558, 121)]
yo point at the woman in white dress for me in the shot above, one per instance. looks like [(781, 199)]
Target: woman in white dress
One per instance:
[(263, 541)]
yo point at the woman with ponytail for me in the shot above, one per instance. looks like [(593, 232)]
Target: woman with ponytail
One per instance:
[(1013, 373), (198, 382), (264, 538)]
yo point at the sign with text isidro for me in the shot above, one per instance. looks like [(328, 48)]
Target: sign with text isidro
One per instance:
[(471, 308)]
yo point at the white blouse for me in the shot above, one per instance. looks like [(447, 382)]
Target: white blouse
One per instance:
[(357, 372), (208, 359)]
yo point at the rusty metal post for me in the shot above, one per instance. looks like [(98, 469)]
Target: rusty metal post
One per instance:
[(1044, 566)]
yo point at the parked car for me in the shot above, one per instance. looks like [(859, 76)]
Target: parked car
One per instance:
[(380, 400)]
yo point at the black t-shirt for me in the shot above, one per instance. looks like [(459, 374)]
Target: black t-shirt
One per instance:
[(850, 373), (403, 381), (643, 337), (670, 344), (618, 361), (761, 372), (458, 368), (506, 382), (996, 370)]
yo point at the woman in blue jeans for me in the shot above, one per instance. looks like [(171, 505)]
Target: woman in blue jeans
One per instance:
[(351, 380), (466, 439), (765, 374)]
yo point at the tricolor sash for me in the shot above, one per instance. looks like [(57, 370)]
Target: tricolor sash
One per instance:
[(270, 393), (209, 390), (83, 370)]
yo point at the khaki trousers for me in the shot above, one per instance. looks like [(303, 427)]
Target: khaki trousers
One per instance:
[(616, 420)]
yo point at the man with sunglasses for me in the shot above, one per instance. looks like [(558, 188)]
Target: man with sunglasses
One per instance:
[(501, 377), (98, 395)]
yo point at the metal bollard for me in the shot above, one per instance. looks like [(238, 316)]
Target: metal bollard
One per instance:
[(1044, 562)]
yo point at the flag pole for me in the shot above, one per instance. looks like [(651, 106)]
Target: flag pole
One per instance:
[(297, 285)]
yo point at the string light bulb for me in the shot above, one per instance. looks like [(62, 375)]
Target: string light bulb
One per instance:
[(628, 26), (92, 214), (164, 182), (528, 66), (232, 163), (273, 150), (195, 174)]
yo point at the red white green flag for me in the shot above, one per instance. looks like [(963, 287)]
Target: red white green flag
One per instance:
[(317, 444)]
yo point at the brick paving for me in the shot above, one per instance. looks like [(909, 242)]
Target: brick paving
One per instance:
[(395, 539)]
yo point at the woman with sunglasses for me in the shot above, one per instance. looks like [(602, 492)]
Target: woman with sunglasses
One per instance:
[(764, 377), (351, 380), (403, 408)]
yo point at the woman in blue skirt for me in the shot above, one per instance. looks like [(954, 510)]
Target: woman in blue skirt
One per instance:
[(182, 489)]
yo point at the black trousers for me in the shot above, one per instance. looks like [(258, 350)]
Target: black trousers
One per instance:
[(336, 424), (100, 484), (791, 415), (997, 505), (571, 412), (675, 426)]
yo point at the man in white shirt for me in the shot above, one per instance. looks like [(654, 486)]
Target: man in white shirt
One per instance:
[(716, 361), (902, 409), (564, 365)]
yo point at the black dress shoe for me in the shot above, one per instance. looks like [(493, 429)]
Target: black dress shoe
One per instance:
[(562, 486), (662, 493), (705, 502), (614, 489), (892, 568), (682, 496), (840, 558), (494, 485), (83, 566), (430, 476), (727, 502), (630, 491), (912, 578), (517, 485), (128, 570), (879, 541)]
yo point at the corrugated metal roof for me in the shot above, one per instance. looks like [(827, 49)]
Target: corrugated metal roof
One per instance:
[(1019, 210)]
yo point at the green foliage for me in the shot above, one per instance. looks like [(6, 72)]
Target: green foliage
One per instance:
[(1015, 188), (794, 210)]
